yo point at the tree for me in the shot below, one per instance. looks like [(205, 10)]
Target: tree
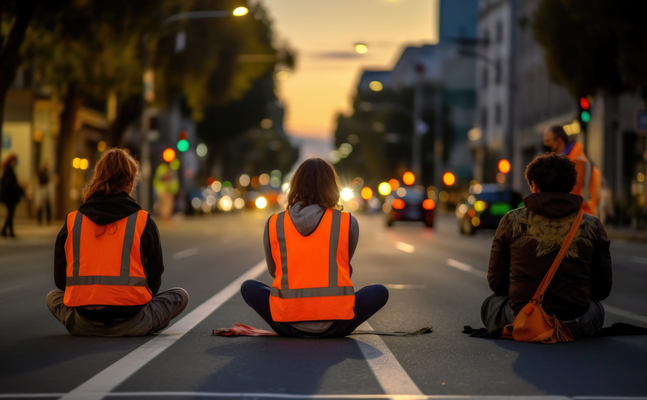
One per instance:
[(594, 46)]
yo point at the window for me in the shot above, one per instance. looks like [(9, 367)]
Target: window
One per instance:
[(499, 32), (483, 118), (497, 114), (498, 73), (484, 77)]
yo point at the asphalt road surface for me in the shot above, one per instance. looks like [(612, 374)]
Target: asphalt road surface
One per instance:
[(435, 276)]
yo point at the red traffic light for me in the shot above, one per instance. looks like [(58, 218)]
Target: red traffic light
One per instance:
[(184, 135), (584, 103)]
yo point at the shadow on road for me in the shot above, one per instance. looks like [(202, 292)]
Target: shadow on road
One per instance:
[(289, 365), (586, 367)]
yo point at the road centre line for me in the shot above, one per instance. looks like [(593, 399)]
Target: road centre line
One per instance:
[(407, 248), (465, 267), (186, 253), (386, 368), (105, 381)]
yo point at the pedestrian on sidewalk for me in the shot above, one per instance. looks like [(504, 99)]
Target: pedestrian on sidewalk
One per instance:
[(43, 194), (308, 249), (527, 242), (10, 193), (108, 260)]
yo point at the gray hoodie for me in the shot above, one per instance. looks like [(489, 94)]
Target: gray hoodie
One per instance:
[(306, 219)]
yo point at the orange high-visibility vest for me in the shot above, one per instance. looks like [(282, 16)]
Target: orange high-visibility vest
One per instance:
[(589, 180), (104, 263), (312, 280)]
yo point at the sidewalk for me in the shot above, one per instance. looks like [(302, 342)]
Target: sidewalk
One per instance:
[(28, 229), (628, 234)]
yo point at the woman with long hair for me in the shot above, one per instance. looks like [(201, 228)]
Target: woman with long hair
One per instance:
[(108, 261), (10, 193), (308, 249)]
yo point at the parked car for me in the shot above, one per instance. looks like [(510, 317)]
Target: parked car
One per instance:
[(411, 205), (484, 210)]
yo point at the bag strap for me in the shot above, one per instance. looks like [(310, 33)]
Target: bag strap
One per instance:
[(539, 294)]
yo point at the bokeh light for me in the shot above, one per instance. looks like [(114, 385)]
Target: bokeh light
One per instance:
[(240, 11), (394, 184), (346, 194), (353, 205), (449, 179), (84, 164), (476, 221), (384, 188), (504, 166), (175, 164), (225, 203), (429, 204), (102, 146), (376, 86), (361, 48), (239, 203), (443, 196), (264, 179), (261, 202), (183, 145), (76, 163), (408, 178), (216, 186), (244, 180), (201, 150), (401, 192), (480, 206), (275, 181), (367, 193), (168, 155)]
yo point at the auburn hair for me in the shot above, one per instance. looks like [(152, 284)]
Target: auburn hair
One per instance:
[(10, 158), (115, 173), (315, 182)]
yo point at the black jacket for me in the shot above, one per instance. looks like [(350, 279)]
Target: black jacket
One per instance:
[(103, 211), (526, 244), (10, 190)]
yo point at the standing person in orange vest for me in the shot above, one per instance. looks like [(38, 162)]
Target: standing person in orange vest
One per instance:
[(108, 261), (308, 249), (589, 177)]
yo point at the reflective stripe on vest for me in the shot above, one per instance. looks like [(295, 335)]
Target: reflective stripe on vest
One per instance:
[(104, 262), (123, 279), (313, 281)]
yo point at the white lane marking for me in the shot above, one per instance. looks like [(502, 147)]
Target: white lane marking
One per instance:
[(105, 381), (625, 313), (465, 267), (186, 253), (407, 248), (403, 286), (387, 369), (322, 396), (639, 260)]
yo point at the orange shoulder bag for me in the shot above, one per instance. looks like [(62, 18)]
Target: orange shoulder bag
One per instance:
[(532, 324)]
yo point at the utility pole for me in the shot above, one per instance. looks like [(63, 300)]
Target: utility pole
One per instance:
[(419, 127)]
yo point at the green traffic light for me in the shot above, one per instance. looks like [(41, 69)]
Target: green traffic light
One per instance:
[(183, 145), (585, 116)]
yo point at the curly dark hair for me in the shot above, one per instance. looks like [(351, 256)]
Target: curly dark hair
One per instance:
[(552, 173)]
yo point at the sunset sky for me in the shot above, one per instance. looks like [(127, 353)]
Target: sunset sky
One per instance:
[(324, 32)]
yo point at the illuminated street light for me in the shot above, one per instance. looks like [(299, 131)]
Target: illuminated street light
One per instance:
[(261, 202), (84, 164), (76, 163), (384, 188), (361, 48), (346, 194), (504, 166), (408, 178), (367, 193), (376, 86), (240, 11)]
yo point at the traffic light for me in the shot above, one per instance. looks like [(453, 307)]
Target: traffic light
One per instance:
[(584, 113), (183, 142)]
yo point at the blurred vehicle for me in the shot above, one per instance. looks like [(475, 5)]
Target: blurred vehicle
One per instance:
[(410, 204), (485, 208)]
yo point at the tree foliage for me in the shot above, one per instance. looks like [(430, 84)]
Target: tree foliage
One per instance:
[(594, 46)]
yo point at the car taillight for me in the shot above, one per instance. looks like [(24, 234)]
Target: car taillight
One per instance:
[(398, 204), (429, 204), (471, 213)]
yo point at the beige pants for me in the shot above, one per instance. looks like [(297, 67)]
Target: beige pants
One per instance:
[(153, 317)]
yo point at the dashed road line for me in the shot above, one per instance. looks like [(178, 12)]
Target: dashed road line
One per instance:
[(639, 260), (407, 248), (105, 381), (465, 267), (186, 253)]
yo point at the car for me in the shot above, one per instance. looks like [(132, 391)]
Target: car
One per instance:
[(410, 204), (485, 207)]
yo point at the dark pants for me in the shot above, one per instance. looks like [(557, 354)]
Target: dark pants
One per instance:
[(7, 229), (496, 313), (368, 301), (48, 212)]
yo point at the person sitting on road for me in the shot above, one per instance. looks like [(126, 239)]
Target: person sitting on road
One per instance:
[(108, 261), (308, 249), (528, 240)]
